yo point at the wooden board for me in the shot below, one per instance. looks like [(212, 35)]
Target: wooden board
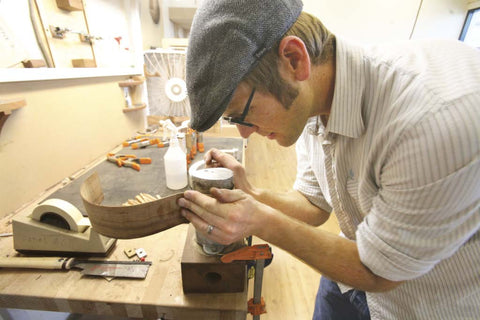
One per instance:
[(203, 273)]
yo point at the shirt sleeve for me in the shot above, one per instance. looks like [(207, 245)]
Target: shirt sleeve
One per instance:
[(306, 181), (428, 203)]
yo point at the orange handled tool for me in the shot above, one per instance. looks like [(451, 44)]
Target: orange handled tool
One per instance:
[(127, 143), (200, 145), (131, 164), (146, 143), (142, 160), (163, 144), (115, 160)]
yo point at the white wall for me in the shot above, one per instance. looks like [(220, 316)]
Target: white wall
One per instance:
[(152, 33), (65, 125), (441, 19), (373, 21), (366, 21)]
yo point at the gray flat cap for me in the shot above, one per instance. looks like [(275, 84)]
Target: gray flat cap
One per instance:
[(227, 39)]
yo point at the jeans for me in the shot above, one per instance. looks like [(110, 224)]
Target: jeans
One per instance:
[(331, 304)]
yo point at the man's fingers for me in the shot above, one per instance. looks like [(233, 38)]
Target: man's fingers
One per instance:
[(201, 210), (210, 158), (226, 196), (216, 234)]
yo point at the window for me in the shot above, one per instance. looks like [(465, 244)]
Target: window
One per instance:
[(471, 28)]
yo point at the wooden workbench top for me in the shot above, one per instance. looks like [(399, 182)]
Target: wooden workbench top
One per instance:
[(160, 293)]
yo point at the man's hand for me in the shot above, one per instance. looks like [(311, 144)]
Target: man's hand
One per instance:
[(231, 212), (216, 158)]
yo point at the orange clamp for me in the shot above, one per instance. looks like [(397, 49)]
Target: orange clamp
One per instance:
[(256, 309), (114, 160), (142, 160), (255, 252), (200, 147), (132, 165)]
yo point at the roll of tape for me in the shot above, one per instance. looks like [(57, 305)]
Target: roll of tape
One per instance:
[(64, 209)]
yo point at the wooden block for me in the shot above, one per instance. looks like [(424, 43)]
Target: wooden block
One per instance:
[(34, 63), (84, 63), (70, 5), (208, 274)]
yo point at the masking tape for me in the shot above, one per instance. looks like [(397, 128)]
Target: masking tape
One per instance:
[(64, 209)]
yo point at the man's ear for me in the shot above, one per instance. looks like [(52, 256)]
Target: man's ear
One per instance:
[(294, 58)]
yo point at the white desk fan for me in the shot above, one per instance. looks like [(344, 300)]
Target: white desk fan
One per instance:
[(165, 71)]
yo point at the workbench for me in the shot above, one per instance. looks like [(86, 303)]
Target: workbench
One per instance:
[(159, 295)]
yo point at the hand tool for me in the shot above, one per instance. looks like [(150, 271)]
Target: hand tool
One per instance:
[(163, 144), (103, 268), (128, 160), (131, 164), (145, 160), (200, 144), (130, 141), (145, 143)]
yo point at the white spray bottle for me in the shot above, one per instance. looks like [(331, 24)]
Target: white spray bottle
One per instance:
[(175, 161)]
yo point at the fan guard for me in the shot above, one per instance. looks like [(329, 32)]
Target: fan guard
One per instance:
[(165, 70)]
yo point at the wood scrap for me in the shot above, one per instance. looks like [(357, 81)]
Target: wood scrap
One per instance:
[(141, 198)]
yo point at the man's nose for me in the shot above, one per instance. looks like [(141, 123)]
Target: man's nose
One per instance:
[(246, 131)]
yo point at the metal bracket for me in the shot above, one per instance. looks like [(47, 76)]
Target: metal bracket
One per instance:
[(57, 32)]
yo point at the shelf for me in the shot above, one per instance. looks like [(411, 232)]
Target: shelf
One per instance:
[(131, 82), (7, 106), (135, 108), (36, 74)]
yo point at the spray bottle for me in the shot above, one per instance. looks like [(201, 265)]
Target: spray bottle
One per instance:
[(175, 160)]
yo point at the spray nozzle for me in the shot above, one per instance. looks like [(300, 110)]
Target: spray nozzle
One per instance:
[(168, 124)]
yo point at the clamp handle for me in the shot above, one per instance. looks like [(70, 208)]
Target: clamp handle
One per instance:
[(255, 252)]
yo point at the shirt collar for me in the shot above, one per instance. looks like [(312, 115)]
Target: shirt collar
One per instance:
[(346, 113)]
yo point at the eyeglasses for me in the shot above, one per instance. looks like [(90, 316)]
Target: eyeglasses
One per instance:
[(239, 120)]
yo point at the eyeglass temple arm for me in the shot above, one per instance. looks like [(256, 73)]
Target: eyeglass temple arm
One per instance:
[(244, 114)]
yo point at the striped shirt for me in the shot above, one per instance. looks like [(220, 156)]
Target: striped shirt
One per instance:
[(398, 162)]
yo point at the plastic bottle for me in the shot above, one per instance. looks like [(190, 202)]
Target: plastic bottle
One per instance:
[(175, 161)]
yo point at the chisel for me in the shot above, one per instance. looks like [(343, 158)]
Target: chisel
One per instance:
[(103, 268)]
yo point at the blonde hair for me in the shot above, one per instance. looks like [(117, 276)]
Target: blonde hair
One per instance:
[(320, 44)]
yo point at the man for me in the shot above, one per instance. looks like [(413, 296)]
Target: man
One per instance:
[(386, 137)]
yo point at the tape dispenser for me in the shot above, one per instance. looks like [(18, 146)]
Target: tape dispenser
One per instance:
[(57, 227)]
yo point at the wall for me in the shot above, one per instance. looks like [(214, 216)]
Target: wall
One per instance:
[(441, 19), (152, 33), (76, 116), (114, 45), (375, 21), (66, 125)]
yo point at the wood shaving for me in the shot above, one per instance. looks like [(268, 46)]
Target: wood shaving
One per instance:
[(141, 198)]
